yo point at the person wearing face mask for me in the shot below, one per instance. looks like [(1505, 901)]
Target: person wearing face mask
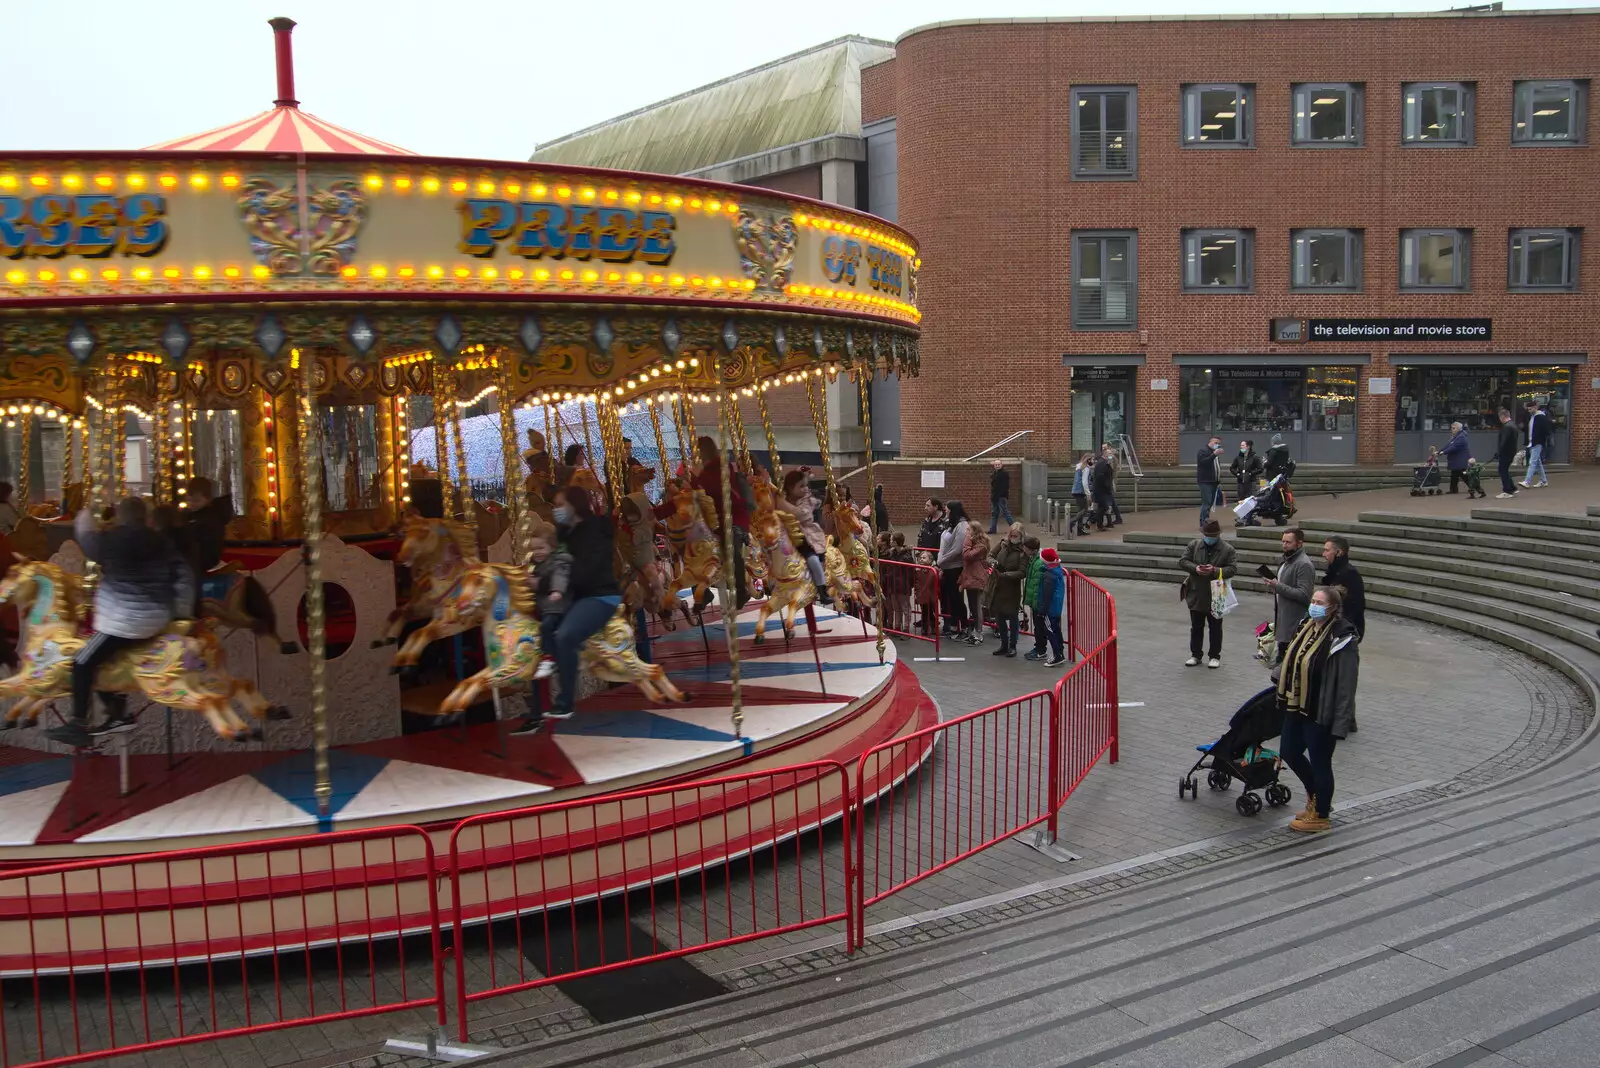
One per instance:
[(1316, 684), (1292, 589), (1246, 468), (1004, 594), (592, 593), (1208, 477), (1205, 559)]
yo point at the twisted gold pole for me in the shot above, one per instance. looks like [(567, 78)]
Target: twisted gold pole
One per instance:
[(730, 612), (684, 444), (588, 441), (316, 619), (24, 482), (819, 423), (864, 384), (691, 455), (469, 510), (772, 439), (516, 503), (661, 443), (162, 486), (119, 441), (441, 433)]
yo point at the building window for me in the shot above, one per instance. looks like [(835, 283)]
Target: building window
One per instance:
[(1543, 259), (1435, 259), (1105, 278), (1219, 260), (1327, 260), (1104, 133), (1327, 114), (1218, 116), (1549, 113), (1437, 113)]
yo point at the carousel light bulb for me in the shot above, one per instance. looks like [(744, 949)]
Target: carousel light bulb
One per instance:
[(430, 185), (681, 365), (16, 278), (694, 362)]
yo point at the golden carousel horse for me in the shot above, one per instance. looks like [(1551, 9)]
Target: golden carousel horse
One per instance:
[(178, 669), (850, 537), (847, 589), (498, 598), (774, 535), (648, 586), (437, 551), (689, 535)]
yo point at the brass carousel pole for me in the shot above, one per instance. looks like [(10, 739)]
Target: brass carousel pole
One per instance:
[(819, 422), (441, 432), (685, 446), (515, 502), (730, 613), (661, 442), (772, 439), (864, 384), (583, 417), (469, 509), (316, 622), (161, 482), (119, 441), (24, 483)]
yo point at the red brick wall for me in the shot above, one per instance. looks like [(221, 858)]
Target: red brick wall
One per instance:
[(877, 92), (984, 143), (805, 182), (904, 493)]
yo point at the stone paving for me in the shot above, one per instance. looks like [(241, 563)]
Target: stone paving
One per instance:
[(1440, 713)]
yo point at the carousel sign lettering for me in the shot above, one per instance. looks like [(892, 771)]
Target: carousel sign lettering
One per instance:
[(91, 224), (537, 230), (841, 257)]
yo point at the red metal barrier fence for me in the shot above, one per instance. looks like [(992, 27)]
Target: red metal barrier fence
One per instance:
[(700, 860), (226, 941), (131, 955), (911, 601)]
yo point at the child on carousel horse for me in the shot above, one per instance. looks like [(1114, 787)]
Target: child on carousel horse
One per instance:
[(552, 574), (144, 584)]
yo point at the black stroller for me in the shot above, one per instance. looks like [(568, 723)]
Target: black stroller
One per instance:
[(1240, 754), (1274, 501), (1425, 480)]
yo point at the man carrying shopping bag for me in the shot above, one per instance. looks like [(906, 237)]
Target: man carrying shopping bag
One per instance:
[(1209, 564)]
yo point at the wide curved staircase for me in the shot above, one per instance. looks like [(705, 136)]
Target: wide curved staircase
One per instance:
[(1527, 580)]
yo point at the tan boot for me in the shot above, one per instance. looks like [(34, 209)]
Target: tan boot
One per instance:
[(1310, 824), (1310, 809)]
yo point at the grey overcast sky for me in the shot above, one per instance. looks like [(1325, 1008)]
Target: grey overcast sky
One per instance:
[(485, 79)]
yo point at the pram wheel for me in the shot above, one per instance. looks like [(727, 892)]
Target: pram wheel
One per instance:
[(1248, 804), (1219, 780), (1186, 785), (1278, 795)]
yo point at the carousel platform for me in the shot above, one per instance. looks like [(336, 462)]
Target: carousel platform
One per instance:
[(801, 703)]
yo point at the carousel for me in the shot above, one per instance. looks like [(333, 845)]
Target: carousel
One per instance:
[(384, 368)]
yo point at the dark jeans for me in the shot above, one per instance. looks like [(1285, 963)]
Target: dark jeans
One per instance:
[(1456, 478), (999, 508), (1204, 623), (1105, 506), (1507, 483), (954, 605), (86, 665), (1047, 625), (1210, 497), (582, 621), (1006, 628), (1303, 738)]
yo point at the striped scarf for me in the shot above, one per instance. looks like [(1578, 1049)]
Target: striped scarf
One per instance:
[(1299, 660)]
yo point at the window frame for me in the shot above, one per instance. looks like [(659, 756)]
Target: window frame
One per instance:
[(1355, 255), (1358, 96), (1463, 258), (1074, 304), (1247, 264), (1573, 241), (1247, 124), (1579, 87), (1132, 173), (1469, 103)]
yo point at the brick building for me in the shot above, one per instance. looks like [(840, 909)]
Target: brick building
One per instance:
[(1132, 226)]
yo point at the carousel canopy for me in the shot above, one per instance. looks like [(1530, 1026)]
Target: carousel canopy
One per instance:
[(283, 128)]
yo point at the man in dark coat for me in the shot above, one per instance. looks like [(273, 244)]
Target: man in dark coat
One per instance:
[(1341, 572), (1505, 450), (999, 496), (1102, 480), (1205, 560), (1208, 477)]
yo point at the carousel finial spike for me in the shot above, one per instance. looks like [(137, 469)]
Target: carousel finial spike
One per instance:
[(284, 47)]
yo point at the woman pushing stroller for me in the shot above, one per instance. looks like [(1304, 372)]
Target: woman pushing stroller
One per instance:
[(1316, 684)]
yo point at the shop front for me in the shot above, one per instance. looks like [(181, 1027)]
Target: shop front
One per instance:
[(1431, 392), (1102, 401), (1313, 408)]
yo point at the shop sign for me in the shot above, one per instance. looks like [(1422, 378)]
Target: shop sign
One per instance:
[(1293, 331), (1102, 374), (1246, 373)]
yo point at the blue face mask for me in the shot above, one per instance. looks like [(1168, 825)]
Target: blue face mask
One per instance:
[(562, 514), (1319, 611), (1210, 540)]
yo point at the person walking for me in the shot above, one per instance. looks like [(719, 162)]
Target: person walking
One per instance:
[(1505, 450), (880, 511), (1208, 477), (952, 543), (1080, 481), (1292, 589), (974, 579), (1457, 453), (1004, 594), (1246, 469), (1341, 574), (1101, 482), (1538, 445), (1205, 560), (933, 525), (1052, 597), (999, 495), (1316, 685), (1110, 455)]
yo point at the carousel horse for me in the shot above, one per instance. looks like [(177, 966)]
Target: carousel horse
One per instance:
[(436, 551), (649, 585), (774, 535), (689, 534), (497, 598), (236, 600), (177, 669), (850, 537), (847, 589)]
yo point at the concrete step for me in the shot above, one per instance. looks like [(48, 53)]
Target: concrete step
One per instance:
[(1565, 628), (1444, 539), (1593, 509), (1541, 519), (1534, 527)]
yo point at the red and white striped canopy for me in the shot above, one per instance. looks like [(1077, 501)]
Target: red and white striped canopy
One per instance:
[(283, 129)]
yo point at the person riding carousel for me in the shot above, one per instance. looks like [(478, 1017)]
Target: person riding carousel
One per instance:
[(144, 584)]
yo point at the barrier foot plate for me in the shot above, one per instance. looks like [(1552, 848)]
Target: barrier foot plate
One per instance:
[(1039, 839), (435, 1047)]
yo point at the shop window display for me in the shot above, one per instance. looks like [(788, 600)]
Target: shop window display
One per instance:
[(1331, 399), (1262, 400), (1194, 399)]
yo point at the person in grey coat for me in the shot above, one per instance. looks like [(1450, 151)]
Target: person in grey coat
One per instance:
[(1206, 559), (1292, 589), (1316, 684)]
